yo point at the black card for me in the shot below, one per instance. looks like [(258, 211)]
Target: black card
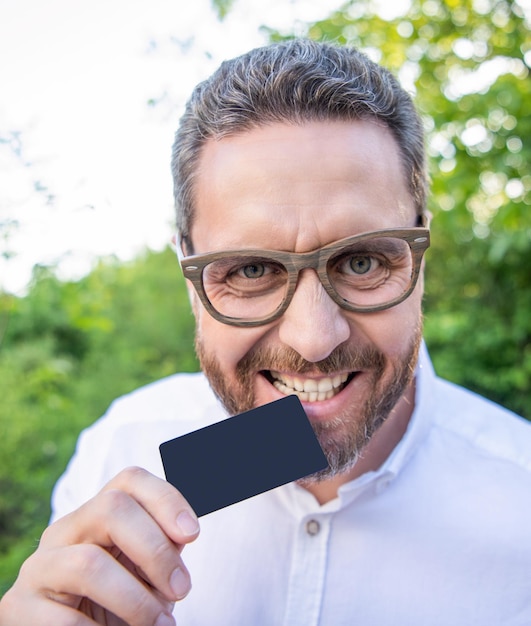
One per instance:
[(243, 455)]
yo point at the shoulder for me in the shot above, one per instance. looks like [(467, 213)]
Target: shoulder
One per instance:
[(168, 408), (484, 427), (180, 396), (472, 473)]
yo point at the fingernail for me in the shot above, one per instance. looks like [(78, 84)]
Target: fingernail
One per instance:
[(165, 620), (187, 523), (180, 583)]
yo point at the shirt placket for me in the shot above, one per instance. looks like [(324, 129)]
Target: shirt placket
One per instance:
[(308, 571)]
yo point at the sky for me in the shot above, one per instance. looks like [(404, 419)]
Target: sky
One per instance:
[(90, 96)]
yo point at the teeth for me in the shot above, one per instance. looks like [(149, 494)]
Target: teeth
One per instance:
[(311, 386), (309, 389), (298, 384)]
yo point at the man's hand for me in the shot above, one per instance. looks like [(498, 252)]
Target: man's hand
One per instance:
[(116, 560)]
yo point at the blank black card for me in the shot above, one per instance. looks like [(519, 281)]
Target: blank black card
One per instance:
[(243, 455)]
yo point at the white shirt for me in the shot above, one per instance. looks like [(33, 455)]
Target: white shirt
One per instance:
[(440, 535)]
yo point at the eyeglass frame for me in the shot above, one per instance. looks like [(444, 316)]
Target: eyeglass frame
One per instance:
[(417, 238)]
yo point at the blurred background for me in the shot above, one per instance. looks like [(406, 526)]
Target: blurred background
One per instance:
[(92, 304)]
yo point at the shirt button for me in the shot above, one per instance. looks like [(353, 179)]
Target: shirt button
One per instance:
[(313, 527), (383, 484)]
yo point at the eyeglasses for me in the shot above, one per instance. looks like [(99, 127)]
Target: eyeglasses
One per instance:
[(365, 273)]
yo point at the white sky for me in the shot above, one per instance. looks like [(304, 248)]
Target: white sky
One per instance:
[(75, 80)]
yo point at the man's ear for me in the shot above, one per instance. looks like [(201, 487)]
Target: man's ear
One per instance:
[(420, 280), (424, 219), (179, 247)]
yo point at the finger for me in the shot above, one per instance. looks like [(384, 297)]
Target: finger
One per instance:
[(40, 611), (162, 501), (88, 571), (115, 519)]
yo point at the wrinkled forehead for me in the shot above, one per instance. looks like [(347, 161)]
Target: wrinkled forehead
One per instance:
[(299, 186)]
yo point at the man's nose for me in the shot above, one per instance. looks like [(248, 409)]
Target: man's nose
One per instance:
[(313, 324)]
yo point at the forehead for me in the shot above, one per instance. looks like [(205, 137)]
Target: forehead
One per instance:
[(298, 187)]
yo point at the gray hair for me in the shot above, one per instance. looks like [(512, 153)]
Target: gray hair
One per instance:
[(295, 81)]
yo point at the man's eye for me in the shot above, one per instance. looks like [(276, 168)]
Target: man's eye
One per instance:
[(360, 265), (256, 270)]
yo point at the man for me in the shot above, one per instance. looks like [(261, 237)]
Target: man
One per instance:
[(423, 516)]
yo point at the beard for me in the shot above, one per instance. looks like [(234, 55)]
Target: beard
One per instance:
[(344, 436)]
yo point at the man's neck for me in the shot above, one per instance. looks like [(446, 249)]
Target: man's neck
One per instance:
[(375, 452)]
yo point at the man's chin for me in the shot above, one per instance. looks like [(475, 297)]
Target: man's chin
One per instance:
[(342, 440), (359, 409), (329, 473)]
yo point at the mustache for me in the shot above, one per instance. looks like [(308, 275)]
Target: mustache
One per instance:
[(343, 358)]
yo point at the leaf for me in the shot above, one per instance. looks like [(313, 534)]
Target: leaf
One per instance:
[(222, 7)]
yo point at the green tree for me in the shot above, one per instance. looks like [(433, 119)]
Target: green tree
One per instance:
[(68, 349)]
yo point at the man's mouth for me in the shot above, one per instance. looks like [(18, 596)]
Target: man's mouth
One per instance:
[(309, 389)]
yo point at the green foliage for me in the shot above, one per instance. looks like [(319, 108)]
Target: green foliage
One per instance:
[(222, 7), (467, 64), (68, 350)]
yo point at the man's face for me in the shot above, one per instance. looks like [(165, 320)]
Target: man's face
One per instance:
[(297, 188)]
